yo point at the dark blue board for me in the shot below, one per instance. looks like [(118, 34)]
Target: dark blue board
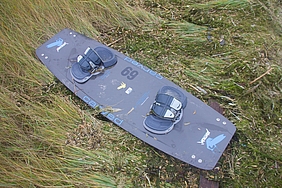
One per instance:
[(129, 88)]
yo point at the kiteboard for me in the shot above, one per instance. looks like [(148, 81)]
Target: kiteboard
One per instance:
[(138, 99)]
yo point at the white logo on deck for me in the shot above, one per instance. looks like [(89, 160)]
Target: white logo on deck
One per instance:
[(63, 45), (203, 140), (59, 43)]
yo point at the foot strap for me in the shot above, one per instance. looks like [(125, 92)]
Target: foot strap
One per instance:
[(90, 61), (166, 107)]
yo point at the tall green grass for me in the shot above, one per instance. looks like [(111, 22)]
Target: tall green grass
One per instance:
[(49, 138), (34, 121)]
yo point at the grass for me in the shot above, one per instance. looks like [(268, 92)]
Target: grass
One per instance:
[(225, 50)]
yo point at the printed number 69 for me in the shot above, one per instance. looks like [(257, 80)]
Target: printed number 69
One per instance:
[(129, 72)]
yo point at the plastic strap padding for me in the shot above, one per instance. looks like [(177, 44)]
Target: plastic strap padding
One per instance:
[(166, 106), (169, 101), (91, 58)]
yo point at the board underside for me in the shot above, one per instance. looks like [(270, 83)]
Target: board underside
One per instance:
[(127, 91)]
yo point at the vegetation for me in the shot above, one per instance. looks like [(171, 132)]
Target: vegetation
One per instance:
[(227, 50)]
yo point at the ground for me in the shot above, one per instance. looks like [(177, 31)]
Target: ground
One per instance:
[(226, 50)]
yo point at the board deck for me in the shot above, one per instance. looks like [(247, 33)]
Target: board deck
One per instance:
[(128, 89)]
